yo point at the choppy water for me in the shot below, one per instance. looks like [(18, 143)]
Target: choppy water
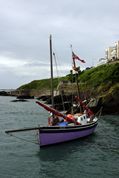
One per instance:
[(92, 157)]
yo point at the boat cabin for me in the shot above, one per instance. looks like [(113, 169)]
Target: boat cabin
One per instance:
[(81, 118)]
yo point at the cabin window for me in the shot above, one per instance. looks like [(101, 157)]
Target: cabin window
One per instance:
[(81, 119)]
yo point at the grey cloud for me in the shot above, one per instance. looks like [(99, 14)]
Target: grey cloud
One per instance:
[(90, 26)]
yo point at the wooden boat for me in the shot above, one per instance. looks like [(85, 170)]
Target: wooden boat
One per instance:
[(54, 135), (66, 127), (70, 128)]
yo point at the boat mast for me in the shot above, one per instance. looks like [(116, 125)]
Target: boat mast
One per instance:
[(51, 68), (76, 70)]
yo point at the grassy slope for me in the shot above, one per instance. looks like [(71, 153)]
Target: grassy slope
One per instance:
[(102, 80), (102, 74), (41, 84)]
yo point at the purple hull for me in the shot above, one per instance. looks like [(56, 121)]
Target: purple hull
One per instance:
[(54, 135)]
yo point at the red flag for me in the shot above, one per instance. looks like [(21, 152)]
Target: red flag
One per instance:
[(74, 56)]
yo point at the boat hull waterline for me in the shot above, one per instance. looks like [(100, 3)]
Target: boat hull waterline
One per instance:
[(54, 135)]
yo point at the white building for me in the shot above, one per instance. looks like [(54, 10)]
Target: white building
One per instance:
[(112, 53), (117, 49)]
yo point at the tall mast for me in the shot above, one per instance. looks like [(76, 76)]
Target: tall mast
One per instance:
[(76, 70), (51, 68)]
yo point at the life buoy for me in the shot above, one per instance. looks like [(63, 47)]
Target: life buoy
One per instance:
[(70, 118)]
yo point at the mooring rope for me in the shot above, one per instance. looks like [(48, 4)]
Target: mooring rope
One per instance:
[(99, 113), (23, 139)]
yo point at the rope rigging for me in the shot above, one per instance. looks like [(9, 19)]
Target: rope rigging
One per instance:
[(58, 79), (23, 139)]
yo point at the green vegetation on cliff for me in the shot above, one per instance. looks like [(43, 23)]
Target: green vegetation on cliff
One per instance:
[(101, 80), (44, 84), (108, 73)]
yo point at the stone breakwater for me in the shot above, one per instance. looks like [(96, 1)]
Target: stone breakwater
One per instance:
[(110, 104)]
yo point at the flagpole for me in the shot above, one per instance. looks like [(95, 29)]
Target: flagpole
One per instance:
[(74, 64), (76, 76)]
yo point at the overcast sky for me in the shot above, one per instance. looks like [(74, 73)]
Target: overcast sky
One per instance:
[(25, 25)]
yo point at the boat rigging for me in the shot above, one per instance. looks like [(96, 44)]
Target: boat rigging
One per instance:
[(63, 127)]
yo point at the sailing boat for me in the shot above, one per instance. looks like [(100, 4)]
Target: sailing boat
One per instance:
[(61, 127)]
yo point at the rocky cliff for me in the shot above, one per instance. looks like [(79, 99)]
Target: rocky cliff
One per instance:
[(100, 82)]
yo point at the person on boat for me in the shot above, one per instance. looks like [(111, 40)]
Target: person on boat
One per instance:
[(53, 120), (50, 120)]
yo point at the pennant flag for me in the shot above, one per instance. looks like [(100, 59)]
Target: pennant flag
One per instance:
[(74, 56)]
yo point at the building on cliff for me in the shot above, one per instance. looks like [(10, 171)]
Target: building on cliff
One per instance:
[(112, 53)]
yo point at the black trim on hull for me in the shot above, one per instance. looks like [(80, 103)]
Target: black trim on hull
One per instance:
[(66, 129)]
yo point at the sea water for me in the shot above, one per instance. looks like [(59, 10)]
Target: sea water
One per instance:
[(21, 157)]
